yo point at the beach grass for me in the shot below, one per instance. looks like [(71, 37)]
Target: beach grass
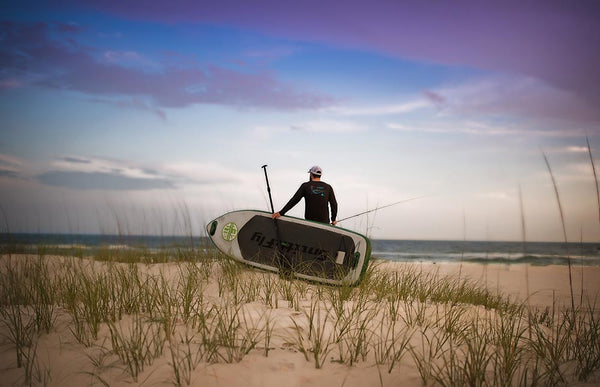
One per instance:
[(207, 309)]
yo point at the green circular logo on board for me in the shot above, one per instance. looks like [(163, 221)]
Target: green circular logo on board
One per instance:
[(230, 231)]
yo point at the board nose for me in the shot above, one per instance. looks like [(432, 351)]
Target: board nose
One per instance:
[(211, 228)]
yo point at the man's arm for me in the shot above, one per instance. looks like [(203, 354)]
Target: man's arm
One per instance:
[(334, 207), (293, 201)]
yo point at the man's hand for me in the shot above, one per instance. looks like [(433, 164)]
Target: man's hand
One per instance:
[(276, 215)]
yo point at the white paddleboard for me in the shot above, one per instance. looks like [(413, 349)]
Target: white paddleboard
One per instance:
[(309, 250)]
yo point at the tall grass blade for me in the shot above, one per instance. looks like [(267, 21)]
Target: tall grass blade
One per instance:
[(564, 228), (595, 175)]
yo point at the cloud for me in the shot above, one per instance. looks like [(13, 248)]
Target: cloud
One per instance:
[(269, 55), (479, 128), (496, 195), (29, 56), (104, 165), (317, 126), (130, 59), (10, 83), (87, 173), (76, 160), (8, 173), (133, 104), (501, 105), (71, 27), (327, 126), (11, 167), (514, 96), (434, 97), (10, 161), (476, 128), (201, 173), (574, 171), (383, 109), (569, 150), (578, 149), (263, 133), (100, 181), (552, 41)]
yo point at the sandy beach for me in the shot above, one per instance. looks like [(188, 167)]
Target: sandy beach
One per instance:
[(281, 332), (540, 286)]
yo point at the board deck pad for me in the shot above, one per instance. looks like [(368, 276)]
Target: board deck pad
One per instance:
[(306, 249)]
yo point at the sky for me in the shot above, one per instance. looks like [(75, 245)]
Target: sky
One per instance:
[(154, 117)]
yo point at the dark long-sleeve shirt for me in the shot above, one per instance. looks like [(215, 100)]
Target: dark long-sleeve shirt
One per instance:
[(317, 196)]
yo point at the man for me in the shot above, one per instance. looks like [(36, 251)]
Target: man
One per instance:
[(317, 196)]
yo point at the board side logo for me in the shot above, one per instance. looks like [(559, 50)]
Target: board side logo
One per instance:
[(230, 231)]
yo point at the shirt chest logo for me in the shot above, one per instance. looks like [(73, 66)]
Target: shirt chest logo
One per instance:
[(317, 190)]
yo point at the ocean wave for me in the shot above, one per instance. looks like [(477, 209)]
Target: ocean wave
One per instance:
[(496, 258)]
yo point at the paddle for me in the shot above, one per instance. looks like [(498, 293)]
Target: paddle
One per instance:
[(264, 167), (285, 268)]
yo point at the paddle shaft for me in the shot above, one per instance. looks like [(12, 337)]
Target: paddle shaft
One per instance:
[(264, 167), (282, 262)]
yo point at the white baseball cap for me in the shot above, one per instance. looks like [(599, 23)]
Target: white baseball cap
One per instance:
[(316, 170)]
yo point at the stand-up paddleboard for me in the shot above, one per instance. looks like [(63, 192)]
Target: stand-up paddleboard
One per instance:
[(309, 250)]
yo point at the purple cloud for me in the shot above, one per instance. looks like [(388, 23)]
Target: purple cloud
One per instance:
[(9, 83), (28, 55), (555, 41), (434, 97), (70, 28), (515, 96)]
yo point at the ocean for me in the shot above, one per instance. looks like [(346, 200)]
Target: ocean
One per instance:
[(536, 253)]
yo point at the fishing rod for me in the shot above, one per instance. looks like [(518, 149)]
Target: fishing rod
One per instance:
[(386, 206)]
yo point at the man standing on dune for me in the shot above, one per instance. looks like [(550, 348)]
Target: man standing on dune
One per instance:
[(318, 196)]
